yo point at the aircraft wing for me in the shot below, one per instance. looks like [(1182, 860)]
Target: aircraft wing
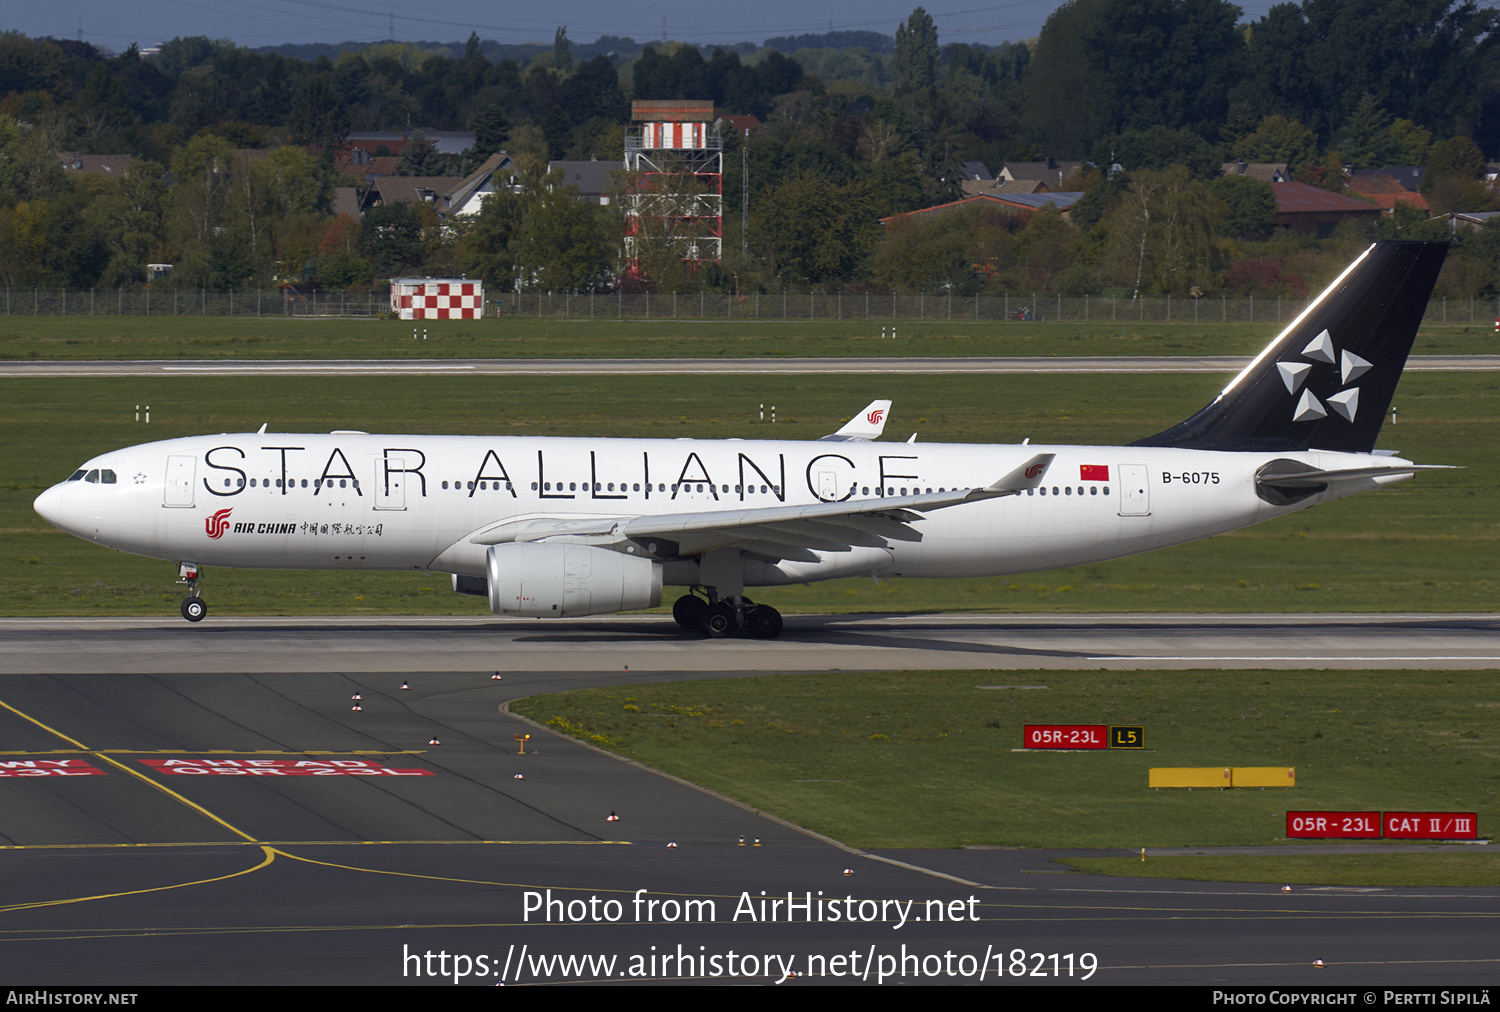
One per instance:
[(772, 532), (866, 425)]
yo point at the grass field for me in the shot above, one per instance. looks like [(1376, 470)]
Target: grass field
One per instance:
[(192, 337), (933, 759), (1466, 866), (1427, 545)]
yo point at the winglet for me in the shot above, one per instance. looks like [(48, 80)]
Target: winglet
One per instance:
[(868, 424), (1028, 475)]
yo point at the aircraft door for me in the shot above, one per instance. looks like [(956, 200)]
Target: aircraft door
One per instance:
[(390, 483), (1135, 493), (179, 488)]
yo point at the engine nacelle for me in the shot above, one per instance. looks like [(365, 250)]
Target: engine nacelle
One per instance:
[(538, 579)]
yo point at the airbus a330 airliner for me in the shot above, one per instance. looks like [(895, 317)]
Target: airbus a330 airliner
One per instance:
[(560, 527)]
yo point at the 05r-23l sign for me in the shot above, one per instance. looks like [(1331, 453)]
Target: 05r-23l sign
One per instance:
[(1079, 736)]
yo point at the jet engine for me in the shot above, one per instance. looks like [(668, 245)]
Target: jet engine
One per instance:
[(538, 579)]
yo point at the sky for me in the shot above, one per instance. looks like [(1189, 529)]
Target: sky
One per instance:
[(114, 25)]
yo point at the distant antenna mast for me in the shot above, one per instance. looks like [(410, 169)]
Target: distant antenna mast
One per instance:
[(664, 28), (745, 199), (393, 25)]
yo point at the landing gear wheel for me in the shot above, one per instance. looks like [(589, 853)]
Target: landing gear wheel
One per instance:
[(764, 622), (718, 620), (193, 609), (687, 611)]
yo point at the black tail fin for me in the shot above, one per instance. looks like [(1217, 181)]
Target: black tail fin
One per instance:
[(1326, 381)]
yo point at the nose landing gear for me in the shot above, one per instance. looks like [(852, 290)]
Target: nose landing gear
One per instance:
[(194, 608)]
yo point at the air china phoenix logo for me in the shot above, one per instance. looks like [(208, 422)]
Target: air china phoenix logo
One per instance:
[(1035, 469), (875, 416), (217, 524)]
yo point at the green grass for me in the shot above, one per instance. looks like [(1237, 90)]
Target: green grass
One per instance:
[(1426, 545), (1470, 866), (200, 337), (932, 759)]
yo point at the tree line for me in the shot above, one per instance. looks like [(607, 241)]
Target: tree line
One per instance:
[(857, 128)]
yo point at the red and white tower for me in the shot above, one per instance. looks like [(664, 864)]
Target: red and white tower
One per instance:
[(675, 199)]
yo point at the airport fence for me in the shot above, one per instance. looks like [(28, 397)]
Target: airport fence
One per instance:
[(1035, 307)]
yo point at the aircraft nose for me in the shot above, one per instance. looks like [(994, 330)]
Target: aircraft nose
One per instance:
[(54, 507), (49, 505)]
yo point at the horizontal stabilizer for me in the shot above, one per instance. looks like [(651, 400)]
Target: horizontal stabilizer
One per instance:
[(1315, 477)]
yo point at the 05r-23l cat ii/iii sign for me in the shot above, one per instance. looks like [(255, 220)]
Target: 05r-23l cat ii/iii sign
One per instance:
[(555, 527)]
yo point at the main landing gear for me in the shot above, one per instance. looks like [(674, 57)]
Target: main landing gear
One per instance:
[(716, 617), (194, 608)]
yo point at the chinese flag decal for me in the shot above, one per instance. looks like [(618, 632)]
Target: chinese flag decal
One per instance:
[(1093, 472)]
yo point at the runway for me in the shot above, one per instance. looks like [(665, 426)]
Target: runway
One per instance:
[(203, 804), (810, 643), (689, 367)]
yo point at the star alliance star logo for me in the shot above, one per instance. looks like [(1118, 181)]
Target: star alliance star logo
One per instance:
[(1345, 403)]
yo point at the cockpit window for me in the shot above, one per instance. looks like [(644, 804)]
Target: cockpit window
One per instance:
[(92, 476), (78, 475), (107, 476)]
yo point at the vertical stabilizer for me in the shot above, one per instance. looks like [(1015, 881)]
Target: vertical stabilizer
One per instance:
[(1327, 380)]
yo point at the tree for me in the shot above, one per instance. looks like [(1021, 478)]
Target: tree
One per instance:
[(1363, 142), (203, 175), (127, 215), (491, 128), (1157, 148), (1249, 203), (915, 65), (1059, 86), (391, 238), (319, 115), (1167, 63), (1454, 180), (562, 51), (562, 243), (815, 233), (916, 253), (1160, 237), (1278, 139), (421, 157)]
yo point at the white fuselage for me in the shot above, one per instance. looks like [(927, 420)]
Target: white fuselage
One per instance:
[(407, 502)]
